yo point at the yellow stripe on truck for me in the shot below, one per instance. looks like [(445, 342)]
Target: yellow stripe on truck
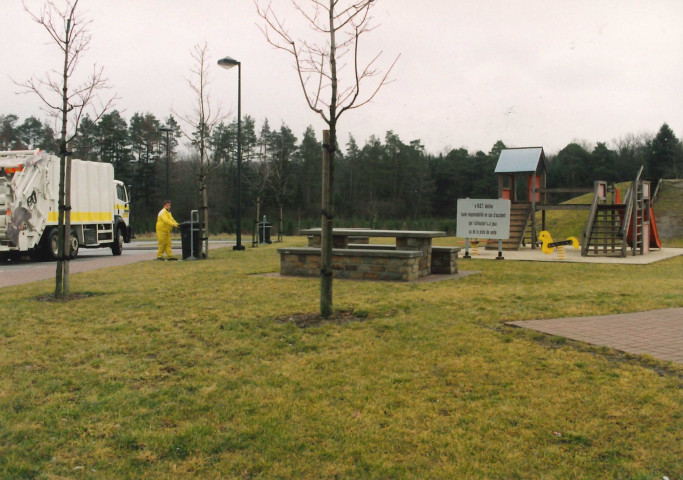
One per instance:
[(82, 217)]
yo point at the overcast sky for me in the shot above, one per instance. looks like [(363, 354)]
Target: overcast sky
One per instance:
[(528, 72)]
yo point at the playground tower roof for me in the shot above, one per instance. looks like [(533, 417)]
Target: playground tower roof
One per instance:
[(522, 160)]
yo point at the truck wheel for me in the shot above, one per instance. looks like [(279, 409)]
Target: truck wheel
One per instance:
[(117, 246), (73, 245), (51, 251)]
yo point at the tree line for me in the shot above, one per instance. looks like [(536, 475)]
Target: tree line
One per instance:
[(385, 183)]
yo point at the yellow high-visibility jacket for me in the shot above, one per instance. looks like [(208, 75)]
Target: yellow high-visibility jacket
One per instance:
[(165, 221)]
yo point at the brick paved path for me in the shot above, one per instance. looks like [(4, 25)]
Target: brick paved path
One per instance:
[(658, 333)]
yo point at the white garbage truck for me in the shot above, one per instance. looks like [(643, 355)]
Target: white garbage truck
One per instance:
[(29, 207)]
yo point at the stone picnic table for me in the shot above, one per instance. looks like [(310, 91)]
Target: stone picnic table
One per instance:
[(406, 240)]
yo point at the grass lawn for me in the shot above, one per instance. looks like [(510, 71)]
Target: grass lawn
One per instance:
[(199, 370)]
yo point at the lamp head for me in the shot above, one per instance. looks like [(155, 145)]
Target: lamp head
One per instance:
[(227, 62)]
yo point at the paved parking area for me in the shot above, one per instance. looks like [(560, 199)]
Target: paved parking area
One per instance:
[(87, 260), (658, 333)]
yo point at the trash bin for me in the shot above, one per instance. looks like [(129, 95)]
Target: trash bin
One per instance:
[(264, 232), (189, 238)]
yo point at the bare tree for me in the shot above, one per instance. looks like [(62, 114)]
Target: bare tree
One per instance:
[(69, 31), (202, 120), (338, 26), (281, 170), (258, 179)]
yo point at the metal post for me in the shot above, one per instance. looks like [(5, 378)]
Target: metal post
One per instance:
[(194, 214), (263, 230), (254, 234), (229, 62), (500, 250), (238, 245)]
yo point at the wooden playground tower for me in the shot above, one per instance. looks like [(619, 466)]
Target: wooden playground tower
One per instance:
[(612, 225), (615, 226)]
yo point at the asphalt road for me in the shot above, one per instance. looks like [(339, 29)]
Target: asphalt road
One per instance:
[(88, 259)]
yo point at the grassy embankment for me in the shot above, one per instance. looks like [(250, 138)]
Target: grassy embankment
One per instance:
[(193, 370)]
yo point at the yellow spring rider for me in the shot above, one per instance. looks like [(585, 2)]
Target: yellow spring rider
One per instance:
[(548, 246)]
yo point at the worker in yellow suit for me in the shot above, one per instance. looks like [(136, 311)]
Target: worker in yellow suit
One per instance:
[(165, 223)]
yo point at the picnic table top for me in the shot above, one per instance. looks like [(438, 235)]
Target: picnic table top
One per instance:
[(350, 232)]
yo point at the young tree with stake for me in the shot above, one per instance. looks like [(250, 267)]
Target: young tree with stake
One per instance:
[(66, 105), (202, 120), (339, 26)]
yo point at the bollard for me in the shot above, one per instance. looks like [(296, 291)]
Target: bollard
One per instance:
[(194, 214)]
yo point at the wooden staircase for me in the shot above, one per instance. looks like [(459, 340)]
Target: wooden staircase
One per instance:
[(607, 231), (613, 227), (520, 214)]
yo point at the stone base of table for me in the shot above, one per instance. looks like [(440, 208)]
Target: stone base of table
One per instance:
[(423, 245), (445, 260), (392, 265)]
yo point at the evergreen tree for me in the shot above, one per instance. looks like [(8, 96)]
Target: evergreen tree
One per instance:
[(249, 138), (48, 141), (631, 155), (308, 172), (86, 145), (282, 148), (664, 155), (145, 136), (30, 132), (347, 178), (603, 163), (571, 167), (9, 134), (114, 147)]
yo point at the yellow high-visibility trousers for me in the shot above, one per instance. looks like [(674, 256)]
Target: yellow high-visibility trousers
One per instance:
[(164, 240)]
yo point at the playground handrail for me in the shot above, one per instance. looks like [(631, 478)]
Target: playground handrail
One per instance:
[(630, 201), (654, 195), (628, 211), (588, 230), (636, 183)]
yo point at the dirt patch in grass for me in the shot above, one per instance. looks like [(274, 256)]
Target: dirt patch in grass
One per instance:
[(306, 320), (50, 298)]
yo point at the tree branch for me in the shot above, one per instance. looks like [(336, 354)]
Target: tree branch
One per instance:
[(342, 28)]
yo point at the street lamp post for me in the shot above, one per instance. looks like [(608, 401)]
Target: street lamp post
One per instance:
[(227, 63), (168, 157)]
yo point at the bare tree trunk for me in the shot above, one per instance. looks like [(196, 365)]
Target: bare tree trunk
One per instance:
[(279, 229), (205, 232), (326, 232), (202, 122), (59, 278), (67, 221), (64, 175), (258, 213), (329, 144), (72, 41)]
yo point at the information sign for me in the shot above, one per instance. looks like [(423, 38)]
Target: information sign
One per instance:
[(483, 218)]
